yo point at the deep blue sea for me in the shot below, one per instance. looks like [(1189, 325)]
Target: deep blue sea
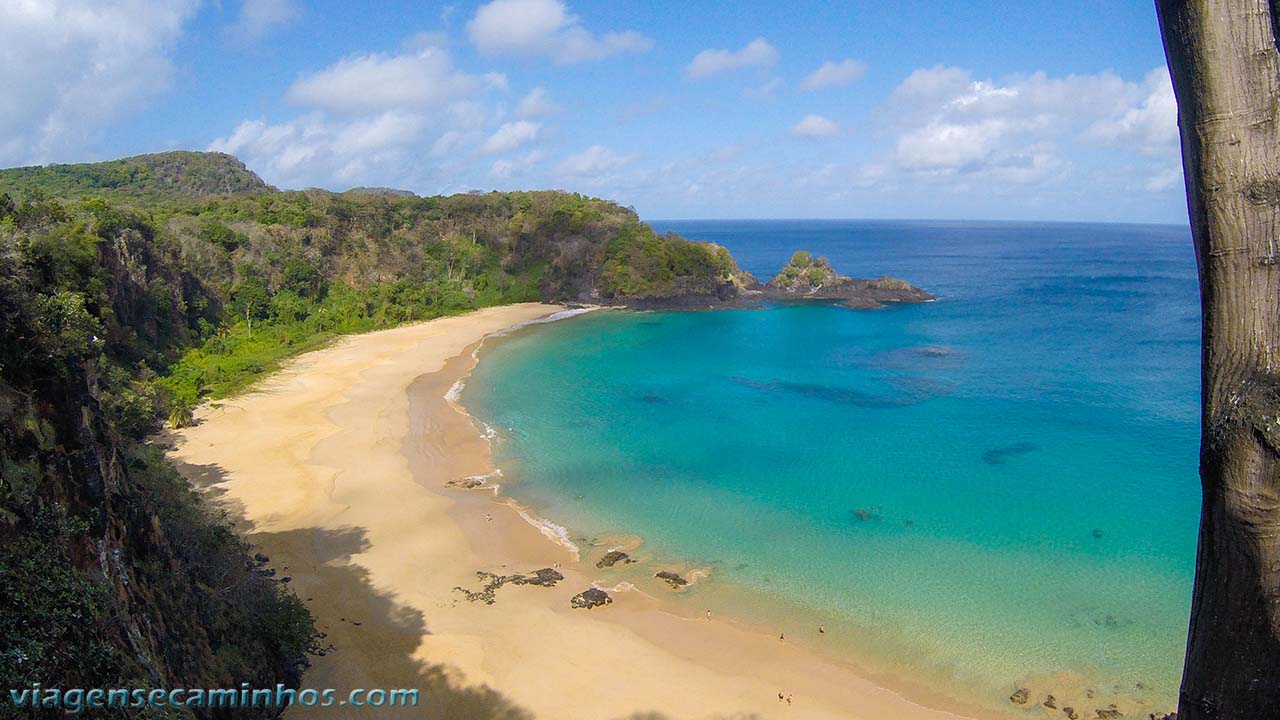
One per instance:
[(998, 488)]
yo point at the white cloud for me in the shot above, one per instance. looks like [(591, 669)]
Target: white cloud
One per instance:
[(947, 125), (449, 142), (831, 74), (510, 136), (536, 104), (595, 161), (1163, 180), (766, 90), (815, 127), (73, 68), (259, 18), (1150, 126), (545, 27), (507, 169), (756, 53), (410, 120), (376, 82)]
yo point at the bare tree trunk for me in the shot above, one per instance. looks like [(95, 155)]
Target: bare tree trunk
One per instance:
[(1225, 64)]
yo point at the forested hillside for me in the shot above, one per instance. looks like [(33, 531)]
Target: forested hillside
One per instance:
[(132, 290)]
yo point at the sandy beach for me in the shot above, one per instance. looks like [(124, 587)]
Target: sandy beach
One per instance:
[(336, 467)]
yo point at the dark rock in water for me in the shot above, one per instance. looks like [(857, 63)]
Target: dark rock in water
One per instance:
[(997, 456), (1163, 716), (1108, 713), (1097, 534), (465, 483), (1050, 702), (935, 351), (672, 579), (613, 557), (260, 558), (865, 514), (655, 400), (593, 597), (1071, 713), (1020, 696), (1089, 693), (831, 393)]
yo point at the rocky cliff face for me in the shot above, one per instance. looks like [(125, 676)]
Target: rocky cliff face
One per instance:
[(112, 574)]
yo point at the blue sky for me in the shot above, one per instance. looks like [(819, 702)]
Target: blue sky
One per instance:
[(909, 109)]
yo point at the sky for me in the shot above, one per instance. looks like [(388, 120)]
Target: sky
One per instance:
[(1028, 110)]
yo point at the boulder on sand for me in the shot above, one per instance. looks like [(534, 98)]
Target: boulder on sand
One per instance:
[(589, 598)]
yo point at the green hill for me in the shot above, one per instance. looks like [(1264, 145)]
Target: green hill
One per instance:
[(176, 174)]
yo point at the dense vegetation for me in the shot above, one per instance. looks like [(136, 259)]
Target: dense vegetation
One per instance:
[(112, 574), (132, 290)]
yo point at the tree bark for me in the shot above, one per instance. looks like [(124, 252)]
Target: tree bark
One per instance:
[(1225, 66)]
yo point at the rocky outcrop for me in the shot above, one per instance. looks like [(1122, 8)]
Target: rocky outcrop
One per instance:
[(671, 578), (590, 598), (808, 278), (1020, 696), (613, 557)]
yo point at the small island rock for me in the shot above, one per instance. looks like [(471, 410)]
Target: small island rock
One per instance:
[(808, 278), (613, 557)]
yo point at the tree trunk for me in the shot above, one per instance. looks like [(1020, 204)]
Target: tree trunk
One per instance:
[(1225, 63)]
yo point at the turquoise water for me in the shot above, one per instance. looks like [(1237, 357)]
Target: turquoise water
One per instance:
[(994, 488)]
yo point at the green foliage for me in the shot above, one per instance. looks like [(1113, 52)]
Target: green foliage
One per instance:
[(250, 299), (212, 231), (801, 259)]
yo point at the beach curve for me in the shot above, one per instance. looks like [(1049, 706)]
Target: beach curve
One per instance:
[(336, 467)]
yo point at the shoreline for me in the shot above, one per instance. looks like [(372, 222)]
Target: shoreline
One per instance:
[(336, 467)]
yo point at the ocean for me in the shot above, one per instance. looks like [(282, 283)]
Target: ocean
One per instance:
[(994, 490)]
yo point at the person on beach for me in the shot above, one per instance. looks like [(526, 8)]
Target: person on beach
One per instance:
[(788, 698), (781, 697), (822, 629), (708, 614), (782, 636)]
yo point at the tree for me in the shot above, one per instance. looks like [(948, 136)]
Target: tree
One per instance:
[(1225, 63), (251, 299)]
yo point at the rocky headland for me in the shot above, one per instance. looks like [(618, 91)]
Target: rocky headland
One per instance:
[(807, 277)]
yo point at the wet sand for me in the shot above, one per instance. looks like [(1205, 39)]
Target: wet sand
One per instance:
[(337, 466)]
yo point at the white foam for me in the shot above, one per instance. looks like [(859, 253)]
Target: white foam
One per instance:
[(485, 478), (561, 315), (619, 588), (557, 533)]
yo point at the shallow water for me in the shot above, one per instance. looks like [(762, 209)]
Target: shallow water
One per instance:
[(997, 488)]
